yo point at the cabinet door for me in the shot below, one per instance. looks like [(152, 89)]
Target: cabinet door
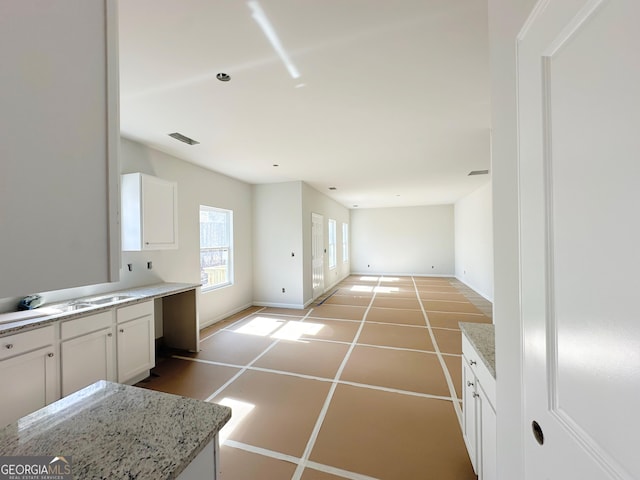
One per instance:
[(136, 351), (470, 413), (158, 213), (87, 359), (487, 438), (59, 135), (29, 382)]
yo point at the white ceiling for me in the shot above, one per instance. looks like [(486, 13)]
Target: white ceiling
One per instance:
[(391, 105)]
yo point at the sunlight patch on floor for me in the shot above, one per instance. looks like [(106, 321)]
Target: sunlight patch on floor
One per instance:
[(240, 410), (279, 329), (361, 288), (261, 326), (386, 289), (294, 330)]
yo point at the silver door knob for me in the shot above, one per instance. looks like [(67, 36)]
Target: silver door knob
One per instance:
[(469, 384), (9, 346), (475, 395), (49, 355), (473, 362), (109, 334)]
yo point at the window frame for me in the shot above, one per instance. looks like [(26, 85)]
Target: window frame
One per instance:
[(345, 242), (332, 240), (229, 247)]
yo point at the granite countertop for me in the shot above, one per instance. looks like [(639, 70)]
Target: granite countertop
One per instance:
[(136, 294), (117, 431), (482, 337)]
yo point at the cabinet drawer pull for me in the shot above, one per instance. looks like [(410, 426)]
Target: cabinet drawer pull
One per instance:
[(9, 346), (469, 384), (475, 395), (473, 362), (50, 355), (109, 334), (122, 330)]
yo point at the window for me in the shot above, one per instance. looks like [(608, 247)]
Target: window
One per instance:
[(345, 243), (216, 240), (333, 261)]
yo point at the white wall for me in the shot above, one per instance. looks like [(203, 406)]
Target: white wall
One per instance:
[(277, 234), (403, 241), (316, 202), (505, 19), (282, 227), (196, 186), (474, 241)]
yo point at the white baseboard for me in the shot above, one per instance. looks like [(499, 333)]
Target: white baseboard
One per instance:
[(278, 305), (479, 292), (222, 316), (372, 274)]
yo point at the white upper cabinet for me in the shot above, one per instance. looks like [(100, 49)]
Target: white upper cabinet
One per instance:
[(149, 213), (59, 138)]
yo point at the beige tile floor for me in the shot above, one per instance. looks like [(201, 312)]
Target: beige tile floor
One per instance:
[(364, 384)]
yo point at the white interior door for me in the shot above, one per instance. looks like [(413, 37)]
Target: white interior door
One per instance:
[(317, 254), (579, 135)]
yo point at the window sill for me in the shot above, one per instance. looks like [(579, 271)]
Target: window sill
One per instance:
[(213, 288)]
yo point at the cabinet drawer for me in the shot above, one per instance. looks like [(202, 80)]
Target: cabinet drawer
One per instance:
[(84, 325), (27, 341), (138, 310)]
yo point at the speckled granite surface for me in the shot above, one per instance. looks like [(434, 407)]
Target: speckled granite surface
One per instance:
[(137, 294), (482, 336), (117, 431)]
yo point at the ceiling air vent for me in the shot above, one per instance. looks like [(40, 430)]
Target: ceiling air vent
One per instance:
[(182, 138), (478, 172)]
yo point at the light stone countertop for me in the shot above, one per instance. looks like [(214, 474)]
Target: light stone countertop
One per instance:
[(482, 337), (137, 294), (117, 431)]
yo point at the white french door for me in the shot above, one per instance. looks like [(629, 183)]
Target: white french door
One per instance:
[(317, 254), (579, 184)]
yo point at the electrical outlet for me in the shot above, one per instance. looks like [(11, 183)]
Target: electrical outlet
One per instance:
[(149, 265), (130, 267), (283, 290)]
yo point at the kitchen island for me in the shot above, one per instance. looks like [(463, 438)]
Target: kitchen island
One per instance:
[(117, 431)]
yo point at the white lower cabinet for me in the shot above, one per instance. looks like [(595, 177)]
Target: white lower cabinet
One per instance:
[(136, 342), (28, 373), (40, 365), (488, 438), (470, 413), (87, 351), (478, 413)]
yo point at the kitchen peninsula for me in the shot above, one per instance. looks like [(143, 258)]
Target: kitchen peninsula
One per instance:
[(117, 431)]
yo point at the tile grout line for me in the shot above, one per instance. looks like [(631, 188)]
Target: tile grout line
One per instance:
[(325, 407), (443, 365), (321, 379), (295, 460), (246, 367)]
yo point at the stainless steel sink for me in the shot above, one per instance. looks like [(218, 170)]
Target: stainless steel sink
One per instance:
[(107, 300), (70, 307)]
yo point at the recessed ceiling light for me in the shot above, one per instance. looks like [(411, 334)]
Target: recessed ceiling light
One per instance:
[(333, 188), (223, 77), (183, 138), (276, 165), (478, 172)]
